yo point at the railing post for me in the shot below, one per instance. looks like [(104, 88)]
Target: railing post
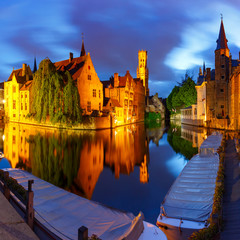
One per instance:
[(6, 190), (83, 233), (29, 207)]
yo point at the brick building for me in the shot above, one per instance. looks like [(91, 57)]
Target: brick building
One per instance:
[(218, 89)]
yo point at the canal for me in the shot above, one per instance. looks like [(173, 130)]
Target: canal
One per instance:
[(130, 168)]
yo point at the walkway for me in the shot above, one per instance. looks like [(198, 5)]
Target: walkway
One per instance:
[(12, 226), (231, 201)]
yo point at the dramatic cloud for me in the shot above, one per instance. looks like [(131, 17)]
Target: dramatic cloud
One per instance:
[(178, 35)]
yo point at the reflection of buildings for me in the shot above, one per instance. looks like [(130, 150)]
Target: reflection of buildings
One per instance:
[(194, 134), (155, 134), (76, 159)]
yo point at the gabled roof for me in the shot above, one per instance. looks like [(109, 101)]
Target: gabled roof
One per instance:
[(123, 80), (18, 74), (74, 66), (26, 85), (222, 40), (115, 103), (200, 80)]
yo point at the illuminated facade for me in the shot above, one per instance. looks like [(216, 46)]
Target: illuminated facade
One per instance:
[(17, 95), (218, 89), (127, 96), (89, 86)]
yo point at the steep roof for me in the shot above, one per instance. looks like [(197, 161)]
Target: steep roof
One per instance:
[(83, 52), (26, 85), (74, 66), (18, 74), (222, 40)]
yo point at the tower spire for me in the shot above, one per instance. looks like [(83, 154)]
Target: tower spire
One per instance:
[(35, 65), (83, 53), (222, 40)]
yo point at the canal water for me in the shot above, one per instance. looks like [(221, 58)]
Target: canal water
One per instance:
[(130, 168)]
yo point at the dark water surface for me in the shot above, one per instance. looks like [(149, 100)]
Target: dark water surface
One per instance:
[(129, 168)]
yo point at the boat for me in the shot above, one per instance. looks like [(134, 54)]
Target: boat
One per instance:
[(59, 214), (188, 204)]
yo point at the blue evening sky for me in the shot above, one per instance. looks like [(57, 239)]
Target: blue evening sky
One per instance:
[(178, 35)]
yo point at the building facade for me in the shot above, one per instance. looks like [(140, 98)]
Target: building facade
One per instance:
[(218, 89), (17, 95)]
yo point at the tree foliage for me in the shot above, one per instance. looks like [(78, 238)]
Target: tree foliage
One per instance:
[(183, 95), (55, 95)]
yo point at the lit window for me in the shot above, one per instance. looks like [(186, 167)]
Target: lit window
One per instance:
[(99, 93), (94, 93), (89, 77), (21, 106), (14, 89), (89, 106), (99, 106), (14, 104), (25, 106)]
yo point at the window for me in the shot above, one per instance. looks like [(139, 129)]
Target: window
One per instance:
[(25, 106), (222, 66), (14, 115), (21, 96), (99, 93), (89, 106), (221, 90), (14, 104), (222, 106), (130, 103), (99, 106), (25, 95), (94, 93), (14, 89), (21, 106), (89, 67), (125, 102), (13, 139), (222, 77), (89, 77), (195, 111)]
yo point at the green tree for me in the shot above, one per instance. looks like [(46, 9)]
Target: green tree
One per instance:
[(54, 99), (183, 95)]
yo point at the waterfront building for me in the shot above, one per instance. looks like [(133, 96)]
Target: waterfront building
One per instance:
[(218, 90), (124, 96), (89, 86), (16, 93)]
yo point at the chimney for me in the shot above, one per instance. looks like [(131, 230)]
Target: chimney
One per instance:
[(70, 56), (208, 76), (24, 66), (116, 80), (127, 71)]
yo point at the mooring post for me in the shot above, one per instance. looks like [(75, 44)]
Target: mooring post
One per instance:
[(29, 206), (83, 233), (6, 190)]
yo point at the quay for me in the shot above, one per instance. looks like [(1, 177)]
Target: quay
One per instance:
[(12, 225), (60, 214)]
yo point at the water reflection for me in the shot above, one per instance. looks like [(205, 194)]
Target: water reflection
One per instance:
[(129, 168)]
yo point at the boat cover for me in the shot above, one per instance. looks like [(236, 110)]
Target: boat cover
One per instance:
[(211, 144), (191, 195), (63, 212)]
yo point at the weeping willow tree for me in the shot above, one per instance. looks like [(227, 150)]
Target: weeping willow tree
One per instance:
[(54, 99)]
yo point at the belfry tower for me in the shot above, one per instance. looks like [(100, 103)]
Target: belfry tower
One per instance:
[(142, 70)]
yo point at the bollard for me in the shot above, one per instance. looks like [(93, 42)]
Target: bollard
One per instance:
[(83, 233), (6, 190), (29, 207)]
